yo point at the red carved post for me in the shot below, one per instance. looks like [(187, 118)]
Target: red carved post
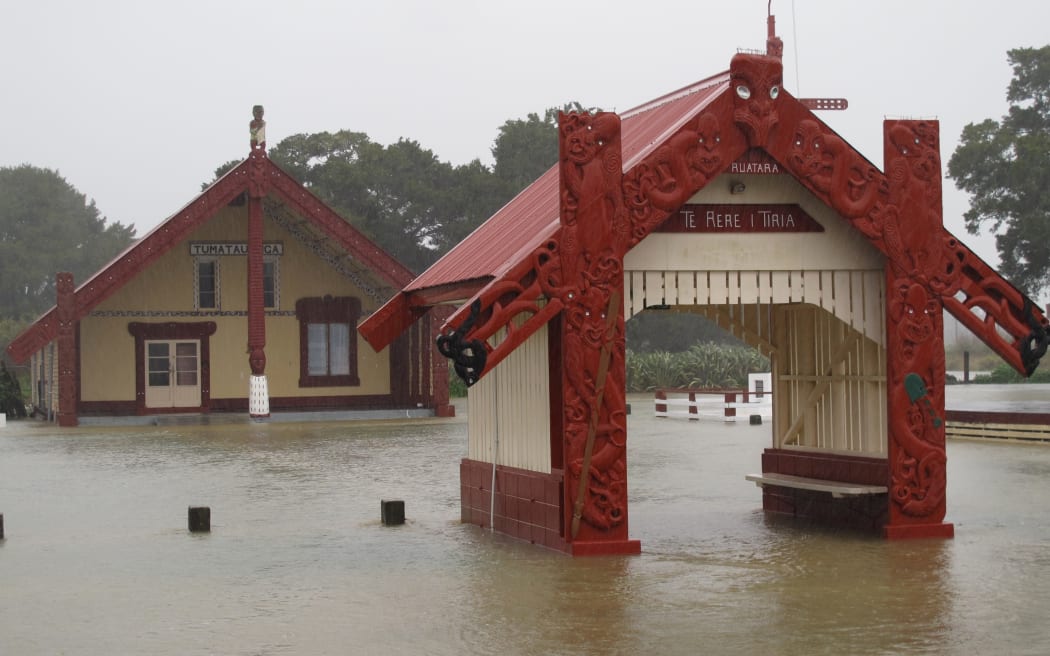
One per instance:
[(911, 224), (593, 240), (439, 395), (66, 303), (258, 394)]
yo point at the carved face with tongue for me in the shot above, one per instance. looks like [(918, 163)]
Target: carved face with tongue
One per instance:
[(755, 83)]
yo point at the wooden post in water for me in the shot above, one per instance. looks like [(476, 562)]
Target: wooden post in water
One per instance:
[(1, 526), (200, 519), (392, 511)]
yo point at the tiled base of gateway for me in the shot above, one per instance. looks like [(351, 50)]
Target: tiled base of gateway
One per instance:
[(867, 512), (527, 503)]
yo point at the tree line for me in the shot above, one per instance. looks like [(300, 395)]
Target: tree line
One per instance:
[(405, 199), (417, 207)]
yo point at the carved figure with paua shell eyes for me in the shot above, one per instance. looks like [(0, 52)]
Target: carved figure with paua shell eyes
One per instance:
[(755, 85)]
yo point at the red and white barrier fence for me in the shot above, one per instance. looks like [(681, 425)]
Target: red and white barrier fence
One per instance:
[(697, 403)]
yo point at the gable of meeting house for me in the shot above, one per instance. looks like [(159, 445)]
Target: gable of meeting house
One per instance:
[(245, 300)]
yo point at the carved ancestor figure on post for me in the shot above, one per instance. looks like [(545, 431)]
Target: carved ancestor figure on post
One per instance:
[(593, 239), (917, 402), (919, 272)]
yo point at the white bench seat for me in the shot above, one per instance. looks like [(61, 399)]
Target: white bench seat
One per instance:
[(837, 489)]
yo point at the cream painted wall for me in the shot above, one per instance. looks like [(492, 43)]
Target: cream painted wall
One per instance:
[(229, 357), (839, 247), (107, 360), (838, 269), (304, 275), (164, 292)]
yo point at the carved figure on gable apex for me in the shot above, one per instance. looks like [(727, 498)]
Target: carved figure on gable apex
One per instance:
[(257, 129), (756, 82)]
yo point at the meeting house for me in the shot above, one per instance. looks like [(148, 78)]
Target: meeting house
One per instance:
[(247, 300)]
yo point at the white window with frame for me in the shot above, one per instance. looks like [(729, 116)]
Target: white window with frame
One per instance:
[(329, 349), (206, 283)]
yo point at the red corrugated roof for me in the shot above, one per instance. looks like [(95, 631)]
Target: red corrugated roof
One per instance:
[(532, 216)]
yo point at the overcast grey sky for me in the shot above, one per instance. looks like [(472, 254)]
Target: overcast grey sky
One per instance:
[(137, 102)]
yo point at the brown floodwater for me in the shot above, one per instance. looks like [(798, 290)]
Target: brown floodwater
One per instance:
[(98, 559)]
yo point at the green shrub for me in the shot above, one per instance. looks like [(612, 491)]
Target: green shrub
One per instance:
[(647, 371), (457, 389), (1004, 373), (703, 365)]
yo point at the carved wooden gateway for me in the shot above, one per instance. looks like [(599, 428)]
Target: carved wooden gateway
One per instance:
[(856, 341)]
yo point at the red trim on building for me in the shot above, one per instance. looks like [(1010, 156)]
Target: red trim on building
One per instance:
[(861, 470), (292, 403), (68, 357), (110, 408), (279, 403), (988, 417), (256, 305), (919, 531), (438, 394)]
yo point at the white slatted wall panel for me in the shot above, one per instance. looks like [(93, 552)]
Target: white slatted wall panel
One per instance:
[(513, 401), (830, 385), (855, 297)]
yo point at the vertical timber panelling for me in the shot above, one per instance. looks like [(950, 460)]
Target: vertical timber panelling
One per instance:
[(34, 379), (52, 380), (670, 287), (512, 401), (855, 297), (718, 287), (831, 385), (481, 418), (780, 283), (638, 300), (686, 286), (654, 288)]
